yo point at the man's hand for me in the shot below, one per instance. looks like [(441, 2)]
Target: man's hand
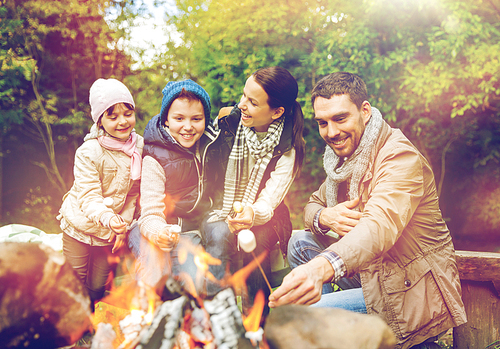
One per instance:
[(167, 240), (340, 218), (243, 220), (304, 284), (118, 225)]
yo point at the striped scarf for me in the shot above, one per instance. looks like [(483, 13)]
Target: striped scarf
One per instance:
[(241, 184)]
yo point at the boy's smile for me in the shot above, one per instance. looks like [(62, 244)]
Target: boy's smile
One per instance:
[(186, 121)]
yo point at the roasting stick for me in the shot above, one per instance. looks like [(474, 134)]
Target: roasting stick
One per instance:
[(246, 239)]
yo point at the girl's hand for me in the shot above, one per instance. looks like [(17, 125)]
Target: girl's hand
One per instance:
[(243, 220), (118, 225), (120, 241), (167, 240)]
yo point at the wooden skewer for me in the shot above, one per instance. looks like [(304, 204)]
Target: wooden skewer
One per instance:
[(262, 271)]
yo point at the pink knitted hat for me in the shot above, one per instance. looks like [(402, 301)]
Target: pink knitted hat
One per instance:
[(107, 92)]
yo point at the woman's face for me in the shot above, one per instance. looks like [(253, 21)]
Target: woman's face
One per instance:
[(255, 112), (120, 122)]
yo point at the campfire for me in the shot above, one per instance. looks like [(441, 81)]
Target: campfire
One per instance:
[(44, 305), (137, 316)]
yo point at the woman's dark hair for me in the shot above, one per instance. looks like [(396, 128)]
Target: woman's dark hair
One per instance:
[(282, 90)]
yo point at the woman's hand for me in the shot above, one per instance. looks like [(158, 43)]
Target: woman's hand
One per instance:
[(167, 240), (118, 225), (243, 220)]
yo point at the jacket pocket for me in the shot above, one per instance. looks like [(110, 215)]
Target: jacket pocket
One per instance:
[(413, 297)]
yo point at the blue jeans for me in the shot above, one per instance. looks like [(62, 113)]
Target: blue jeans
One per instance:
[(220, 243), (304, 246), (152, 263)]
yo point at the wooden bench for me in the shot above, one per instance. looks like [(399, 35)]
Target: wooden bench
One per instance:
[(480, 279)]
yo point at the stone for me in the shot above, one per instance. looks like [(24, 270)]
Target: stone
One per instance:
[(300, 326), (43, 304)]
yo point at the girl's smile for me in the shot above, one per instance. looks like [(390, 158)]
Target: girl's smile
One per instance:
[(120, 122)]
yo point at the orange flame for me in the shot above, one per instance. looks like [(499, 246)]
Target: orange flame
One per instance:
[(238, 279), (252, 321)]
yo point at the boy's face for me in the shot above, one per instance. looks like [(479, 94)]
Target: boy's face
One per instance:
[(186, 121), (120, 122)]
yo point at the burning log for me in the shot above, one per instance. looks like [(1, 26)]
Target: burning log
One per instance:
[(299, 326), (42, 302), (227, 324)]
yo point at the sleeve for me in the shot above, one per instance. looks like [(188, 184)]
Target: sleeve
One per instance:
[(152, 200), (397, 190), (128, 210), (317, 202), (89, 188), (336, 262), (276, 188)]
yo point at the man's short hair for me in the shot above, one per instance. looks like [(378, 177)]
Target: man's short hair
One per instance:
[(341, 83)]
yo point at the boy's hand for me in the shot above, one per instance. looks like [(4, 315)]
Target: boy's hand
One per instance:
[(243, 220), (167, 240), (118, 225)]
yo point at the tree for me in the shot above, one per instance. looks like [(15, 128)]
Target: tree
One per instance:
[(429, 66), (51, 53)]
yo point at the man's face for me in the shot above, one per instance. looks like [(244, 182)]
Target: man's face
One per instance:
[(341, 123)]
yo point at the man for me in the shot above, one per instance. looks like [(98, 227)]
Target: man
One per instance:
[(380, 198)]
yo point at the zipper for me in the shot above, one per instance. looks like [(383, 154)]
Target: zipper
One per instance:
[(201, 172)]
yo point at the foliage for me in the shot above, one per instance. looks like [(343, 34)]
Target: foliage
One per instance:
[(53, 51), (431, 67)]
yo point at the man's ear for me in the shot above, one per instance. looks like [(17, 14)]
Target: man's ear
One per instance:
[(278, 112), (366, 111)]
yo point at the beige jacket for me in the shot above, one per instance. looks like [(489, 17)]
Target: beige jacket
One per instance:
[(99, 173), (401, 246)]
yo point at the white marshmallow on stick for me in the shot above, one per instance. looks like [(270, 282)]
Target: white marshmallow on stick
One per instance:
[(175, 229), (246, 240)]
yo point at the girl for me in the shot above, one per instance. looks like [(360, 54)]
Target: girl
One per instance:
[(173, 190), (262, 152), (99, 207)]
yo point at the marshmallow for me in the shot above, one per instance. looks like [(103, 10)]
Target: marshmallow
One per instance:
[(237, 207), (175, 229), (246, 240), (108, 202)]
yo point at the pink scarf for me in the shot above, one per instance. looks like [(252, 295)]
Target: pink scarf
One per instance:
[(129, 148)]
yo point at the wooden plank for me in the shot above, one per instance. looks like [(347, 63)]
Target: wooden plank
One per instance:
[(482, 306), (478, 266)]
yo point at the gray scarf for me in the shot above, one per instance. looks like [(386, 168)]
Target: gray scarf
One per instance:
[(242, 183), (353, 167)]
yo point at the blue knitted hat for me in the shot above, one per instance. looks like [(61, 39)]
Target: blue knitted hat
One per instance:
[(174, 88)]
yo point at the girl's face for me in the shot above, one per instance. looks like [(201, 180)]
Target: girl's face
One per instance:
[(255, 112), (186, 121), (120, 122)]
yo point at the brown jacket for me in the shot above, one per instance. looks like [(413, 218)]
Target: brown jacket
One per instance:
[(401, 246)]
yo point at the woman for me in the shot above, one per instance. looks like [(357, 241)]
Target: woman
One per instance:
[(261, 153)]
